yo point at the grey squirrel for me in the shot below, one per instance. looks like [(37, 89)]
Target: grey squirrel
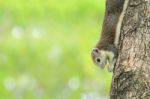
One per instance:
[(105, 53)]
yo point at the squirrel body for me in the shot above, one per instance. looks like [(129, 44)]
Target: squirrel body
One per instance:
[(105, 53)]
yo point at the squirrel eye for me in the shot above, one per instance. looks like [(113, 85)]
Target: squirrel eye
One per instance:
[(98, 60)]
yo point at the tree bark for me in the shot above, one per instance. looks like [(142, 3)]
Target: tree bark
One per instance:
[(131, 78)]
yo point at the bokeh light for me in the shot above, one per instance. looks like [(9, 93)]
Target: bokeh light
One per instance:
[(45, 50)]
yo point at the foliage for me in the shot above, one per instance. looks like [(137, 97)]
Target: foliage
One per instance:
[(45, 49)]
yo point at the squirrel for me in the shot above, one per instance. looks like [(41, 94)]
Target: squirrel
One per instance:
[(106, 53)]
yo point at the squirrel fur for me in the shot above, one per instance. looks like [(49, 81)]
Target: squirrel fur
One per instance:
[(105, 53)]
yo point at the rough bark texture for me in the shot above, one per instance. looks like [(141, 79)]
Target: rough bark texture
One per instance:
[(131, 79)]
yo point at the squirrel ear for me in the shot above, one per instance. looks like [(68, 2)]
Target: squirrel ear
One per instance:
[(95, 50)]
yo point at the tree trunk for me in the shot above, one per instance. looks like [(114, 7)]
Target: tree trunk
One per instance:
[(131, 78)]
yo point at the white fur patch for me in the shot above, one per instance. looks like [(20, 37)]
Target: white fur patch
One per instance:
[(119, 24), (107, 54), (111, 62)]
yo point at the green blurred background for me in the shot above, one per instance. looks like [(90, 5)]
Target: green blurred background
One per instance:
[(45, 50)]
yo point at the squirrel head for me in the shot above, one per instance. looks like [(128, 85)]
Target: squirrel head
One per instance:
[(99, 57)]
